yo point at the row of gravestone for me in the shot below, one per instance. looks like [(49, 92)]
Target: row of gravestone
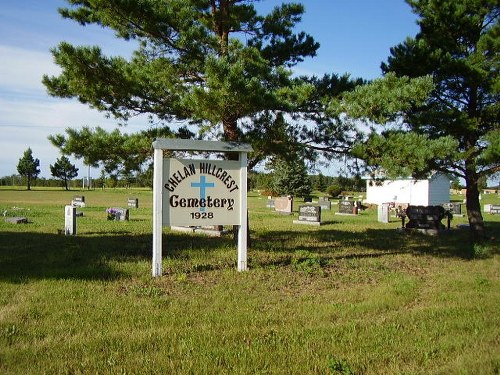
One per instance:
[(112, 213), (427, 218), (310, 213), (284, 205), (79, 201)]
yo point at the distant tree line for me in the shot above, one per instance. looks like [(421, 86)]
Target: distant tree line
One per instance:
[(328, 185)]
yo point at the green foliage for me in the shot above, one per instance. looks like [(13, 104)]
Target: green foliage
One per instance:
[(306, 262), (320, 183), (442, 88), (402, 153), (64, 170), (28, 167), (384, 99), (290, 177), (117, 152), (210, 64), (334, 190), (339, 367), (482, 250)]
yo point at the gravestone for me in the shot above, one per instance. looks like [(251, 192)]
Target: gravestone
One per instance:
[(283, 205), (495, 209), (78, 201), (309, 214), (324, 203), (347, 207), (16, 220), (117, 213), (70, 220), (308, 199), (211, 230), (426, 219), (270, 203), (383, 213), (133, 203), (454, 208)]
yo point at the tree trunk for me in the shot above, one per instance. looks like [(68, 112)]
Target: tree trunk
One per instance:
[(473, 205), (231, 133), (29, 183)]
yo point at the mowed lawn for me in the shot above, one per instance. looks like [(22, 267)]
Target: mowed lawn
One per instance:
[(352, 296)]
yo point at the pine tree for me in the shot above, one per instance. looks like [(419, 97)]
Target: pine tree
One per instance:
[(291, 178), (64, 170), (211, 62), (439, 98), (28, 167)]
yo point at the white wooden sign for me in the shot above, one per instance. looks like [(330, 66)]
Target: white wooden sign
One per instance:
[(199, 192)]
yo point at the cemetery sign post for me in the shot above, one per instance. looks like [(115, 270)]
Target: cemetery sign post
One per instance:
[(199, 192)]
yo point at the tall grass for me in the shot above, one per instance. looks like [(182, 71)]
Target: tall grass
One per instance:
[(353, 296)]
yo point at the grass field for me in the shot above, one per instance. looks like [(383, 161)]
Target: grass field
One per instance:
[(353, 296)]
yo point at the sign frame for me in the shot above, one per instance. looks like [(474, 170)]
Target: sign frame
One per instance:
[(161, 144)]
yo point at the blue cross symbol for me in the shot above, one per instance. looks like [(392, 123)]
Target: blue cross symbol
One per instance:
[(203, 184)]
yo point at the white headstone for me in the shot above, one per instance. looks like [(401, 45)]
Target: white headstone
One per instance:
[(70, 220), (383, 213)]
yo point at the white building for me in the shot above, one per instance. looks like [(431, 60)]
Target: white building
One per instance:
[(432, 191)]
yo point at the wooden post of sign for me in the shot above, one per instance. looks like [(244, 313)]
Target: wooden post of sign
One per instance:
[(242, 231), (157, 211)]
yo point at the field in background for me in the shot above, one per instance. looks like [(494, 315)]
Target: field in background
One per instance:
[(353, 296)]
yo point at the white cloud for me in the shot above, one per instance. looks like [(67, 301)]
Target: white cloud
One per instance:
[(22, 70), (26, 124), (28, 115)]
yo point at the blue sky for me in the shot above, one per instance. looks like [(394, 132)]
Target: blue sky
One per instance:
[(355, 37)]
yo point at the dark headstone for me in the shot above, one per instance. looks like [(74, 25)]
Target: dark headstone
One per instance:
[(347, 207), (133, 203), (495, 209), (309, 214), (308, 199), (425, 217)]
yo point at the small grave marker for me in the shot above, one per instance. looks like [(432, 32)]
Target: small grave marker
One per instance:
[(16, 220), (347, 208), (70, 220), (383, 213), (309, 214), (210, 230), (454, 208), (495, 209), (324, 203), (78, 201), (284, 205), (133, 203), (270, 203), (117, 213)]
